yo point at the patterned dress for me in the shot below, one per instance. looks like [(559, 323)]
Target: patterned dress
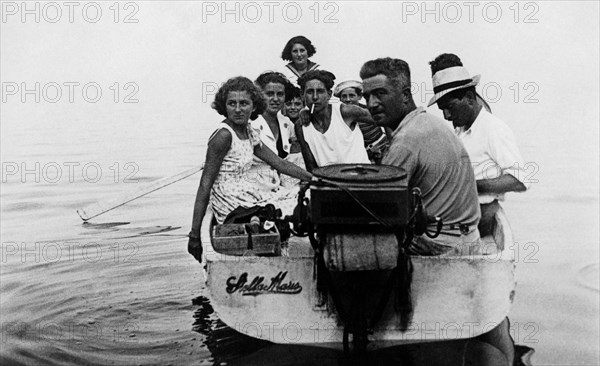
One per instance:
[(233, 186)]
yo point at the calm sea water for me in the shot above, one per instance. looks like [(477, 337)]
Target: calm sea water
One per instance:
[(123, 290)]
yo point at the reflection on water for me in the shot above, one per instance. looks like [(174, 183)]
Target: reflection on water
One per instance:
[(228, 347), (224, 343), (113, 231), (104, 225)]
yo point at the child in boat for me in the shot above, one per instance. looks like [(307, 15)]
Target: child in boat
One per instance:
[(294, 103), (230, 152)]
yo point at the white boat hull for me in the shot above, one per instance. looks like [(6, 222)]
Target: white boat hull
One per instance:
[(275, 298)]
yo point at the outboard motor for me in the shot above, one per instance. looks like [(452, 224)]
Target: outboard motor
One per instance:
[(361, 219)]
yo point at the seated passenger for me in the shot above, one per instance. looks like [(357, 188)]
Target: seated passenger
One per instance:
[(491, 144), (294, 103), (331, 136), (434, 159), (275, 129), (376, 142), (230, 151), (437, 163)]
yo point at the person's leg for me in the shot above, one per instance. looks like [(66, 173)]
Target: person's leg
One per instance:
[(500, 338), (424, 246), (471, 244), (487, 222), (446, 245)]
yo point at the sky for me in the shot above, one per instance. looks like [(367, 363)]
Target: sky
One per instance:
[(538, 59), (172, 47)]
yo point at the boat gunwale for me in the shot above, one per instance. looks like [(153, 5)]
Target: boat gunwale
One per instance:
[(209, 252)]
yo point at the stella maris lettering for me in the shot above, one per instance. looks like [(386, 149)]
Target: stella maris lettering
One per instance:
[(258, 286)]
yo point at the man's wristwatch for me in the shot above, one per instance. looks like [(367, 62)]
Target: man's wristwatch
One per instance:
[(191, 235)]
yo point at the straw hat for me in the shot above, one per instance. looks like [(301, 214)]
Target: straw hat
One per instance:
[(451, 79)]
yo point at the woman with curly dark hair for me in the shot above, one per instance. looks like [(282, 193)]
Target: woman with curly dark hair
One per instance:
[(225, 183), (298, 50)]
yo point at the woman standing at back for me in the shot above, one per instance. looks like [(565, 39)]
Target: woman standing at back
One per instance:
[(297, 51)]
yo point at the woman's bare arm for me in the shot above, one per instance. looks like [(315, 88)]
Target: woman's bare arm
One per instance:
[(282, 166), (218, 147)]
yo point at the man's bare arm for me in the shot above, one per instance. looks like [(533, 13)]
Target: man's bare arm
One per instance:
[(309, 159), (502, 184), (353, 114)]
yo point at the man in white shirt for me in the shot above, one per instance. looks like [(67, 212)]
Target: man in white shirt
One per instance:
[(491, 144), (331, 135)]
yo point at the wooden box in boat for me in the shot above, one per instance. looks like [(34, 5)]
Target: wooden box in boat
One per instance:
[(275, 298), (233, 239)]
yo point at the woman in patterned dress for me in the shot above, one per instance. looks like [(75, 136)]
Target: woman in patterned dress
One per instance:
[(224, 183)]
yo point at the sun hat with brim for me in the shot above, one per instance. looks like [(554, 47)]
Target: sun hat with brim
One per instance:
[(347, 84), (451, 79)]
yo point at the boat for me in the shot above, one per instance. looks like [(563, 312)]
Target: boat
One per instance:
[(277, 299)]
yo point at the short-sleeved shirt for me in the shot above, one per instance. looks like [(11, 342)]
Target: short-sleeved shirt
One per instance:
[(437, 163), (493, 151)]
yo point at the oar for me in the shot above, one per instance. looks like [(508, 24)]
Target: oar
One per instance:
[(98, 208)]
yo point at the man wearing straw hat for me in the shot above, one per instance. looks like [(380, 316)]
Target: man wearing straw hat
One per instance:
[(497, 162)]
